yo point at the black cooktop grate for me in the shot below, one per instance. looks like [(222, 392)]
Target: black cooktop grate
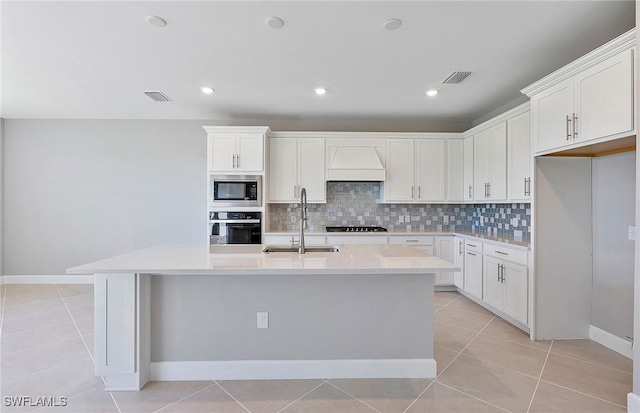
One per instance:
[(356, 229)]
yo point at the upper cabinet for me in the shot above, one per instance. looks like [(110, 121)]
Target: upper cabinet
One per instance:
[(296, 163), (467, 168), (415, 170), (588, 101), (519, 157), (490, 163), (236, 149), (455, 170)]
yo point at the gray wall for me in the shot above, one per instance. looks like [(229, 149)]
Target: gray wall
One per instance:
[(613, 254), (311, 317), (77, 191), (1, 195)]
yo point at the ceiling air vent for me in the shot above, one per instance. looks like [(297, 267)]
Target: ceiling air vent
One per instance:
[(456, 77), (158, 96)]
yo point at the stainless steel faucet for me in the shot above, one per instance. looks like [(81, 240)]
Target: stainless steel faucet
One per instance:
[(303, 218)]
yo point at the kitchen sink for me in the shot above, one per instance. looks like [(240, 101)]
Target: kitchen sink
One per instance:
[(312, 248)]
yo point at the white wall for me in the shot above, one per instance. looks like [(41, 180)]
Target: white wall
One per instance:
[(77, 191), (613, 192), (1, 197)]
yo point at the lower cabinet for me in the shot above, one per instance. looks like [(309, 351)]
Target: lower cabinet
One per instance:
[(473, 268), (458, 259), (506, 287), (445, 249)]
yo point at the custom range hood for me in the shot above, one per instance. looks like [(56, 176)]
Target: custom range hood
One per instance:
[(355, 162)]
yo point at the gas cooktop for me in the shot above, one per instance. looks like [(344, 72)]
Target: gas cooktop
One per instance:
[(356, 229)]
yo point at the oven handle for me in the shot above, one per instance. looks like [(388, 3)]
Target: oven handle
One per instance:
[(235, 221)]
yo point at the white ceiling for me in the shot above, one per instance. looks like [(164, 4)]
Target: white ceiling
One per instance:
[(93, 60)]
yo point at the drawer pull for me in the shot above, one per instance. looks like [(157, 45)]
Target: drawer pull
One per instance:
[(471, 253), (501, 253), (471, 245), (412, 240)]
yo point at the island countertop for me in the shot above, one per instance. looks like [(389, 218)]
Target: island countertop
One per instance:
[(249, 259)]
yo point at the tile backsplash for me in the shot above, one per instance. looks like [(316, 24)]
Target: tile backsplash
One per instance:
[(356, 203)]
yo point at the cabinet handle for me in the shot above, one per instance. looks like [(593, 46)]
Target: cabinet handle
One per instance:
[(411, 240), (237, 161), (419, 192), (412, 192), (575, 126), (567, 127), (295, 191), (471, 245), (460, 248), (488, 189), (470, 192), (501, 253), (234, 161), (527, 186), (471, 253)]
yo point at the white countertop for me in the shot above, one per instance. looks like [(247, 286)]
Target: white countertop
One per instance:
[(519, 243), (249, 259)]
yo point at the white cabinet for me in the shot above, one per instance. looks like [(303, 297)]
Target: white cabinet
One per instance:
[(415, 170), (236, 152), (596, 102), (506, 281), (455, 170), (519, 157), (285, 239), (399, 185), (356, 239), (296, 163), (458, 259), (445, 249), (490, 163), (473, 268), (468, 168)]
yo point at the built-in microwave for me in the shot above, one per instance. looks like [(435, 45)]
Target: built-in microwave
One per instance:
[(236, 190)]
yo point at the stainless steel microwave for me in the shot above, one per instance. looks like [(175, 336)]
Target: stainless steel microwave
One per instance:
[(236, 190)]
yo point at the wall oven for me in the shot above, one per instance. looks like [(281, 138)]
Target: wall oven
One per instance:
[(235, 227), (236, 190)]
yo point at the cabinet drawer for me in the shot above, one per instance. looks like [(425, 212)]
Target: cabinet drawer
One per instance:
[(286, 239), (473, 246), (506, 254), (408, 240)]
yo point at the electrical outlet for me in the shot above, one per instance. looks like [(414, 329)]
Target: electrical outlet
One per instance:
[(263, 319), (632, 233), (401, 218), (407, 218)]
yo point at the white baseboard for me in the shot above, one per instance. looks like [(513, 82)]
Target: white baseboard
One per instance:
[(633, 403), (46, 279), (292, 369), (611, 341)]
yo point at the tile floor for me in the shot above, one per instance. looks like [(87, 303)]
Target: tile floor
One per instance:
[(484, 365)]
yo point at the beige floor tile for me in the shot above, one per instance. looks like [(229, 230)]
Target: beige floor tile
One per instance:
[(441, 399), (34, 309), (40, 358), (268, 395), (588, 350), (30, 296), (16, 325), (69, 290), (450, 337), (26, 289), (156, 395), (85, 324), (385, 395), (88, 339), (327, 399), (501, 387), (81, 300), (92, 401), (443, 298), (501, 329), (436, 307), (81, 312), (443, 357), (554, 399), (69, 379), (211, 400), (33, 338), (601, 382), (463, 303), (513, 356), (464, 319)]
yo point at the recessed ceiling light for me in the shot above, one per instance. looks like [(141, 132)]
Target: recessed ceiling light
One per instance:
[(274, 22), (320, 91), (432, 92), (392, 24), (207, 90), (156, 21)]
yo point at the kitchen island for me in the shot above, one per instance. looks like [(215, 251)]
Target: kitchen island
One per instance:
[(194, 312)]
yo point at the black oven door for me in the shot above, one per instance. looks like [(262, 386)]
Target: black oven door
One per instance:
[(243, 233)]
